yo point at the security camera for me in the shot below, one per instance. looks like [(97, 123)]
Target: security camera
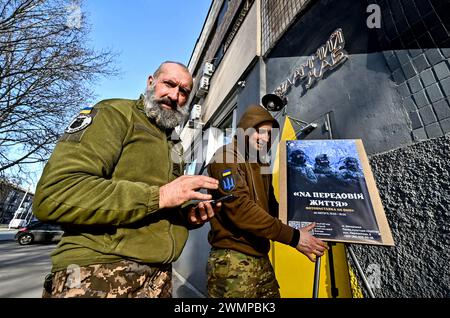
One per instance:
[(273, 102)]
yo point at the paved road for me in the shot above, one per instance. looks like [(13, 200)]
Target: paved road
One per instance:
[(23, 268)]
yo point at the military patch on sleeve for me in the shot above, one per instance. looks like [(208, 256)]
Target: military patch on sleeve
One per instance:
[(79, 123), (86, 110), (227, 182)]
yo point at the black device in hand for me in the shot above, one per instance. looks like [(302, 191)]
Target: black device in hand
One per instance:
[(221, 199), (213, 202)]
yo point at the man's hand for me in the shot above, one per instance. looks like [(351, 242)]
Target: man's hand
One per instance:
[(202, 212), (309, 245), (184, 188)]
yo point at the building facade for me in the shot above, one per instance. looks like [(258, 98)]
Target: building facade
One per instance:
[(11, 198), (376, 70)]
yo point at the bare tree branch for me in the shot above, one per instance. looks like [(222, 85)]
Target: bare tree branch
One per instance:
[(46, 69)]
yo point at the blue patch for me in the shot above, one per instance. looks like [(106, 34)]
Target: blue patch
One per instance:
[(227, 183)]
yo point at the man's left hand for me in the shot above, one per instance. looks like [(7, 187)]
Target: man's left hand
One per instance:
[(202, 212)]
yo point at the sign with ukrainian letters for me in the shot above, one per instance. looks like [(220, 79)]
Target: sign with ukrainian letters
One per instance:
[(326, 58), (330, 182)]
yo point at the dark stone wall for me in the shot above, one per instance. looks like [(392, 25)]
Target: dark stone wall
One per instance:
[(416, 44), (250, 93), (359, 93), (393, 93), (414, 185), (407, 92)]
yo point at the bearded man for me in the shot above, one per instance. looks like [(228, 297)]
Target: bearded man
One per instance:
[(113, 186)]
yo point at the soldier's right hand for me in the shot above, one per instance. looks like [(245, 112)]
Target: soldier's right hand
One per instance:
[(309, 245), (184, 188)]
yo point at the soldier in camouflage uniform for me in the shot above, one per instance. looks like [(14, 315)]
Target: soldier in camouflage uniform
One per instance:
[(238, 264), (112, 185)]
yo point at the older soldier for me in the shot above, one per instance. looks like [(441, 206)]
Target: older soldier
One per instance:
[(238, 264), (112, 185)]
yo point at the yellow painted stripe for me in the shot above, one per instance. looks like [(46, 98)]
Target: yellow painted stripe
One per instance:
[(356, 289), (86, 111), (226, 174)]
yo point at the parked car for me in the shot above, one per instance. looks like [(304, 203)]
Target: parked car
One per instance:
[(39, 232)]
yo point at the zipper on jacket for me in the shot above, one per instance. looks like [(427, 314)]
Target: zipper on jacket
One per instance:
[(248, 166), (173, 241), (253, 182), (172, 238)]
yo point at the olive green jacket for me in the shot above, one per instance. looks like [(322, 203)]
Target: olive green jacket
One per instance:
[(102, 185)]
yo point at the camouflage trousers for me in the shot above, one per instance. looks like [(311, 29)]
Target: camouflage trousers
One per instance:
[(124, 279), (233, 274)]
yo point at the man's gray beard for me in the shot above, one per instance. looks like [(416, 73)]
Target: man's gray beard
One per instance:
[(164, 118)]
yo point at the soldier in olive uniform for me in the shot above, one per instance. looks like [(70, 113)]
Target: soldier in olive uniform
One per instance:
[(113, 185)]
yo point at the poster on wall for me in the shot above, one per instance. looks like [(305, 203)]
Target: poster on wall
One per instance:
[(330, 182)]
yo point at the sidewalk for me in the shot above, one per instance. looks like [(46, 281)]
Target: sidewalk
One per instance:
[(4, 227), (5, 234), (181, 288)]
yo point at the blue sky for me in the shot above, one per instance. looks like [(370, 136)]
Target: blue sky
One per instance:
[(144, 33)]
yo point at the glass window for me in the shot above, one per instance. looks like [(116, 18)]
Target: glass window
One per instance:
[(222, 12), (218, 57), (228, 127), (38, 226), (216, 137), (34, 223), (191, 167)]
